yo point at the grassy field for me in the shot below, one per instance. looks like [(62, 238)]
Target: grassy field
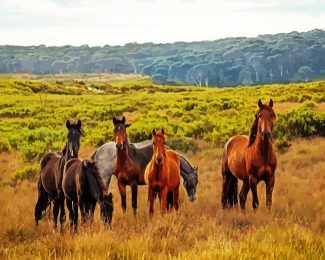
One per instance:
[(198, 121)]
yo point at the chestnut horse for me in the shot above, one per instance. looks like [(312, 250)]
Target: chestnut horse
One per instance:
[(130, 163), (162, 174), (51, 173), (83, 186), (250, 159)]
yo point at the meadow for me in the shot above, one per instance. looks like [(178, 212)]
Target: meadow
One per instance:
[(198, 122)]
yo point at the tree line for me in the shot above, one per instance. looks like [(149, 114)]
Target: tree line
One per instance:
[(279, 58)]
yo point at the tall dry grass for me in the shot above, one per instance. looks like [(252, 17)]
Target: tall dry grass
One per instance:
[(293, 230)]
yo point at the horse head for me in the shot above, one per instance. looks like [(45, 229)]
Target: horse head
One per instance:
[(263, 123), (74, 134), (158, 142), (190, 184), (106, 209), (266, 119), (120, 136)]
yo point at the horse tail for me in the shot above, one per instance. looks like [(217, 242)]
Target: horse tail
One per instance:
[(43, 202)]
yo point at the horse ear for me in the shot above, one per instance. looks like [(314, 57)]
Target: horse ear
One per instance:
[(153, 131), (67, 124), (127, 125), (163, 131), (114, 120), (271, 103), (110, 197), (260, 103), (123, 120), (78, 124)]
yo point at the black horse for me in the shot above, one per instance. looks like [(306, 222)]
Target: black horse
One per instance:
[(83, 186), (51, 173)]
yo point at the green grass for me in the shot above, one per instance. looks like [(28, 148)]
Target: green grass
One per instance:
[(33, 111)]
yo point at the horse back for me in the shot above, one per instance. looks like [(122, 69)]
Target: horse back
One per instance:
[(234, 153)]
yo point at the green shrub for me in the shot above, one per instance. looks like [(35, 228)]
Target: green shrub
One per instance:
[(28, 173), (4, 144)]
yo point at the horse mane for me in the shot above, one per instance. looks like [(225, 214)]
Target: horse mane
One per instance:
[(253, 129), (187, 161)]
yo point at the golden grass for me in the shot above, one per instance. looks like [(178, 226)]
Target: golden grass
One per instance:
[(294, 230)]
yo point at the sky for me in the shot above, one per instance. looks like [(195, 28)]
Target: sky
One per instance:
[(117, 22)]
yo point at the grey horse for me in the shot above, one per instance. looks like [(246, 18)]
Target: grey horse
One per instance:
[(105, 158)]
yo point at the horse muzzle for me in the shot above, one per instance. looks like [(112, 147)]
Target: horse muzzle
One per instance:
[(159, 159), (266, 135), (119, 146), (192, 198)]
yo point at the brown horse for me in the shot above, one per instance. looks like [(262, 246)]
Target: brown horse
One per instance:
[(51, 173), (162, 174), (83, 186), (130, 163), (250, 159)]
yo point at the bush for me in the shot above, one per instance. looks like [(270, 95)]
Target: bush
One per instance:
[(28, 173), (303, 122), (4, 144)]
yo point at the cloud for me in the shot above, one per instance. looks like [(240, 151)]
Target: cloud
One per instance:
[(99, 22)]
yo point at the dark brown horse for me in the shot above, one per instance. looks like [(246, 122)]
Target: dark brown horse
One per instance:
[(162, 174), (51, 173), (130, 163), (250, 159), (83, 186)]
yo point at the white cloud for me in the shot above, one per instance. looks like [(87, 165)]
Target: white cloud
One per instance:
[(100, 22)]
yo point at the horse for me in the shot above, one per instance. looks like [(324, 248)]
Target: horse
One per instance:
[(105, 158), (130, 164), (83, 186), (162, 174), (250, 159), (51, 173)]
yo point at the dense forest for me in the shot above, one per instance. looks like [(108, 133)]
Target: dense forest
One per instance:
[(285, 57)]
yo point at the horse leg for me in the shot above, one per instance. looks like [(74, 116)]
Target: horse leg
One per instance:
[(134, 191), (151, 198), (62, 212), (42, 202), (170, 200), (75, 216), (243, 194), (93, 206), (122, 190), (232, 192), (55, 213), (71, 215), (253, 185), (269, 189), (82, 207), (225, 189), (176, 195), (163, 203)]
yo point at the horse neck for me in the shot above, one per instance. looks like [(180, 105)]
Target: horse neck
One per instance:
[(158, 169), (263, 147), (94, 188)]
